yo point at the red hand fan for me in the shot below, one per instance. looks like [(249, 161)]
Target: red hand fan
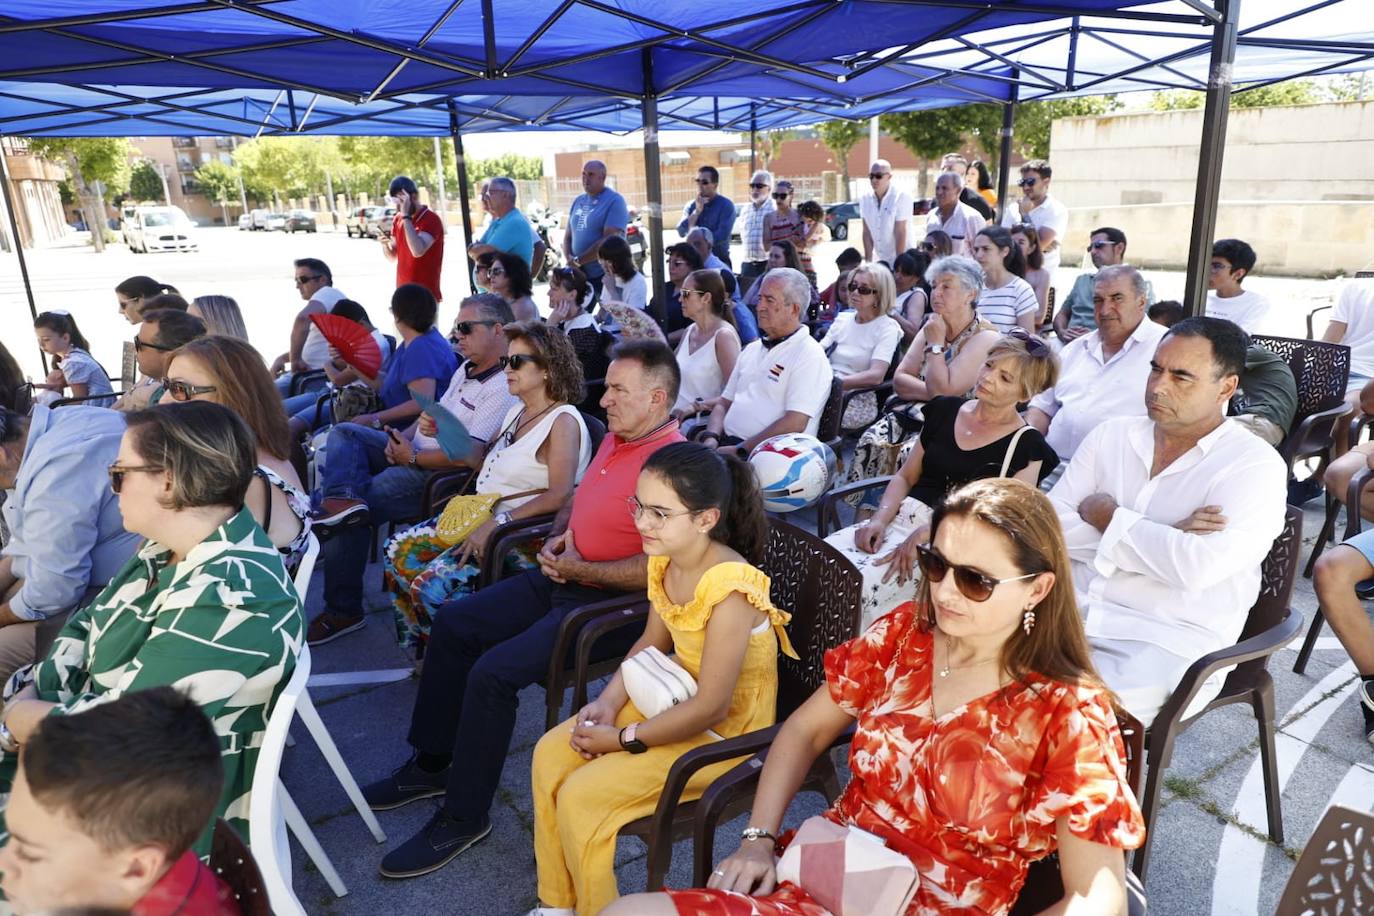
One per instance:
[(355, 344)]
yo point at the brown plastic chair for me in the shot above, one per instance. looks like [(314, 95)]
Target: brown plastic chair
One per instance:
[(1353, 520), (1321, 371), (1333, 874), (820, 588), (231, 860), (1359, 424), (832, 415), (1271, 625)]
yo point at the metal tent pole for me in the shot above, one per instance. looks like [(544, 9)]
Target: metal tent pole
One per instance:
[(461, 166), (753, 133), (1208, 193), (1004, 153), (19, 242), (653, 186)]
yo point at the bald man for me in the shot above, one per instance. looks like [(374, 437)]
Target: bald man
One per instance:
[(596, 215), (886, 211)]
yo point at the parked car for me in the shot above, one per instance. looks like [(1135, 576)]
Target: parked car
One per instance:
[(379, 220), (837, 217), (300, 221), (259, 217), (275, 222), (246, 221), (160, 229), (355, 221)]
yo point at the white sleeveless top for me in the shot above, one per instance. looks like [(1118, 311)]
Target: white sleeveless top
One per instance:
[(701, 375), (514, 467)]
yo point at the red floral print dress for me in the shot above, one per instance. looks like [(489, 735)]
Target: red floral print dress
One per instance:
[(972, 796)]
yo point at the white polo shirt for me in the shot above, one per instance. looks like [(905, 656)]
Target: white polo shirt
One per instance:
[(1355, 309), (1092, 389), (479, 401), (881, 219), (963, 226), (1052, 215), (315, 351), (793, 375)]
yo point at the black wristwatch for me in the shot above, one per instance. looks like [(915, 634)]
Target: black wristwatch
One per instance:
[(629, 742), (742, 452)]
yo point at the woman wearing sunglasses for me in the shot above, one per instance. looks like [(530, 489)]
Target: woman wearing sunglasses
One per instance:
[(532, 463), (945, 358), (205, 603), (708, 351), (783, 254), (937, 244), (228, 371), (961, 441), (701, 519), (984, 738), (785, 222), (509, 277), (862, 342)]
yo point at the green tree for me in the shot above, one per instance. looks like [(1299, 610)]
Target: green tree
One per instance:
[(369, 163), (511, 165), (220, 182), (289, 166), (1349, 87), (97, 166), (932, 133), (1289, 92), (1034, 120), (839, 138), (145, 183)]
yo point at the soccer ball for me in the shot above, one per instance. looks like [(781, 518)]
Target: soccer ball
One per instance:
[(793, 470)]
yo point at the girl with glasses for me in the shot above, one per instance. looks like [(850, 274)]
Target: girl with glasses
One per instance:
[(72, 365), (937, 244), (708, 351), (134, 295), (862, 342), (701, 519), (228, 371), (509, 277), (786, 223), (984, 738), (961, 441)]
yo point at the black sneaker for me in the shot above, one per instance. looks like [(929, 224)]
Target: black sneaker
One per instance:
[(407, 783), (441, 841), (1304, 491), (1366, 692)]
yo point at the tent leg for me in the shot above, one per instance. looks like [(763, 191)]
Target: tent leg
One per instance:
[(1004, 153), (1208, 193), (653, 186), (19, 242), (753, 135), (461, 166)]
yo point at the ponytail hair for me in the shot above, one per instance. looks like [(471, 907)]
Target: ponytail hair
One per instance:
[(62, 323), (705, 479)]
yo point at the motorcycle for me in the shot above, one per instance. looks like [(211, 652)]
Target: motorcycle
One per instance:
[(543, 220), (639, 242)]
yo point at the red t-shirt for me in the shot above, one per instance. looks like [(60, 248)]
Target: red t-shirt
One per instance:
[(601, 523), (188, 889), (423, 270)]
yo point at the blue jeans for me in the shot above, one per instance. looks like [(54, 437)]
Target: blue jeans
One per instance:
[(354, 455), (302, 407), (393, 495), (483, 649), (283, 383)]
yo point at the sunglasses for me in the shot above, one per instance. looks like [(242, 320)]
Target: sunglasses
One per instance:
[(878, 176), (756, 185), (927, 246), (117, 474), (465, 327), (140, 344), (184, 391), (972, 584), (705, 181), (781, 195), (1093, 246), (695, 292), (519, 361), (301, 281), (496, 270), (1028, 182), (862, 290), (1035, 346)]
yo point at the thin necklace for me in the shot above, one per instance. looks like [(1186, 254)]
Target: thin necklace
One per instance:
[(944, 672), (511, 436)]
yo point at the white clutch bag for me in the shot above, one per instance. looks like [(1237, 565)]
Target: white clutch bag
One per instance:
[(655, 682), (848, 871)]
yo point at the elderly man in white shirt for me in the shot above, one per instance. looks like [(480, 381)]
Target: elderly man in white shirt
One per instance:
[(1102, 374), (1167, 519), (886, 212), (781, 381), (952, 216)]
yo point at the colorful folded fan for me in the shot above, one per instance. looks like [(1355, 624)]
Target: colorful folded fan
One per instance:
[(634, 324), (355, 343), (449, 432)]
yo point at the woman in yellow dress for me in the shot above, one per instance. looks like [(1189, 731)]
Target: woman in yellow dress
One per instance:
[(702, 523)]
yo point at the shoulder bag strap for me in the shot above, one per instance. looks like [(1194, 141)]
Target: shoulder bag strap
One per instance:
[(1011, 449)]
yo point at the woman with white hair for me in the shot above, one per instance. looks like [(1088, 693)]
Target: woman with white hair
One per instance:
[(944, 359), (862, 342)]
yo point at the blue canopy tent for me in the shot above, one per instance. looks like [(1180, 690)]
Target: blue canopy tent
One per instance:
[(101, 67)]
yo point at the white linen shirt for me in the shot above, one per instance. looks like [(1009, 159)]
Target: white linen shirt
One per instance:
[(794, 375), (1051, 214), (963, 226), (1142, 578), (1092, 389), (881, 219)]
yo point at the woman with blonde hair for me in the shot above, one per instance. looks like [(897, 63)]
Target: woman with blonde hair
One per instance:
[(984, 739), (228, 371), (961, 441), (221, 315), (862, 342)]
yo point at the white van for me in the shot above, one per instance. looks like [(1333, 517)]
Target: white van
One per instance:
[(160, 229), (259, 219)]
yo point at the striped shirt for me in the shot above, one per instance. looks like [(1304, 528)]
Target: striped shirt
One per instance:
[(1002, 306)]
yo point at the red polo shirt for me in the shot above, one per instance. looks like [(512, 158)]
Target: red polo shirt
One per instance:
[(601, 522), (188, 889), (423, 270)]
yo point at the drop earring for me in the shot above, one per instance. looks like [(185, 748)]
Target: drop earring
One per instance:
[(1028, 620)]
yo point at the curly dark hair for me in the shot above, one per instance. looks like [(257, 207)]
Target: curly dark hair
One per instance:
[(810, 209), (566, 384)]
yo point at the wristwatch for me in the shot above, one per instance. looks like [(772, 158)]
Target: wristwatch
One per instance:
[(376, 422), (503, 518), (742, 452), (629, 742), (935, 349), (756, 833), (414, 457), (8, 744)]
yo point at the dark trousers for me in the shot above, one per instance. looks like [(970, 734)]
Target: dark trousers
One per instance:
[(483, 649)]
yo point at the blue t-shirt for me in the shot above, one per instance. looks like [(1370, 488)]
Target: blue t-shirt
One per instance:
[(745, 323), (588, 218), (427, 356), (719, 217), (511, 233)]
